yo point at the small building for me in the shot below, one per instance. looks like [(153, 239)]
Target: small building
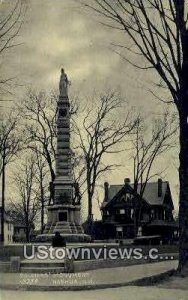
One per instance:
[(126, 215), (8, 229), (19, 232)]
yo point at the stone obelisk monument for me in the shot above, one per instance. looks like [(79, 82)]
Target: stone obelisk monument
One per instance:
[(64, 212)]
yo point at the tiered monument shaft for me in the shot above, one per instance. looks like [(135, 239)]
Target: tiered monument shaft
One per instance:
[(64, 213), (63, 184)]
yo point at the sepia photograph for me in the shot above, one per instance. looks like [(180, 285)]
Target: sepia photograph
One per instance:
[(94, 149)]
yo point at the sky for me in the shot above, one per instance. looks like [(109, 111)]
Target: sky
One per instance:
[(58, 33)]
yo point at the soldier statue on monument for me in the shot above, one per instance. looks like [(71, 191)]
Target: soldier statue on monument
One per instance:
[(63, 84)]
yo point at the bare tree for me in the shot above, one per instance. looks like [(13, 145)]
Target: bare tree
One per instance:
[(11, 20), (147, 149), (42, 183), (27, 206), (10, 145), (101, 134), (157, 31), (39, 111), (10, 139), (149, 146), (10, 24), (39, 118)]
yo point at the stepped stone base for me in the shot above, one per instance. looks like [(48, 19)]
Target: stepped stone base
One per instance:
[(69, 228), (69, 237), (42, 266)]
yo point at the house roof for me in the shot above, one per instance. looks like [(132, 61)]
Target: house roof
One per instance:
[(150, 193), (113, 190), (113, 193)]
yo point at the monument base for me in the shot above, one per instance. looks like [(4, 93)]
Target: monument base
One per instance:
[(70, 238), (65, 219)]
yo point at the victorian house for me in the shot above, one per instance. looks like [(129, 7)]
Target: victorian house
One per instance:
[(126, 214)]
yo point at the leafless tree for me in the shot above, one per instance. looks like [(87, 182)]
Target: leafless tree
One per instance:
[(101, 134), (39, 112), (157, 31), (147, 149), (26, 207), (11, 20), (42, 182), (149, 146), (10, 145), (10, 138)]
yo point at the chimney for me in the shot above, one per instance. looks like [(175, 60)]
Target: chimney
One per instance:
[(160, 186), (106, 185), (127, 181)]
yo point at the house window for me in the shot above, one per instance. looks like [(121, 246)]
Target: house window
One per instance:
[(128, 197), (106, 213), (119, 232), (152, 214), (139, 231), (122, 211), (132, 212), (119, 229)]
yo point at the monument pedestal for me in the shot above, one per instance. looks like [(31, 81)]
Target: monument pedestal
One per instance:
[(65, 219)]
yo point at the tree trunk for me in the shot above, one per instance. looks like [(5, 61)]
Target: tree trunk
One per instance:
[(42, 211), (52, 173), (27, 234), (183, 177), (27, 229), (42, 218), (90, 208), (42, 202), (183, 157), (3, 202), (51, 188)]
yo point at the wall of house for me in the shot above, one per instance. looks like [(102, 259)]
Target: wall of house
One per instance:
[(19, 234), (8, 233)]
